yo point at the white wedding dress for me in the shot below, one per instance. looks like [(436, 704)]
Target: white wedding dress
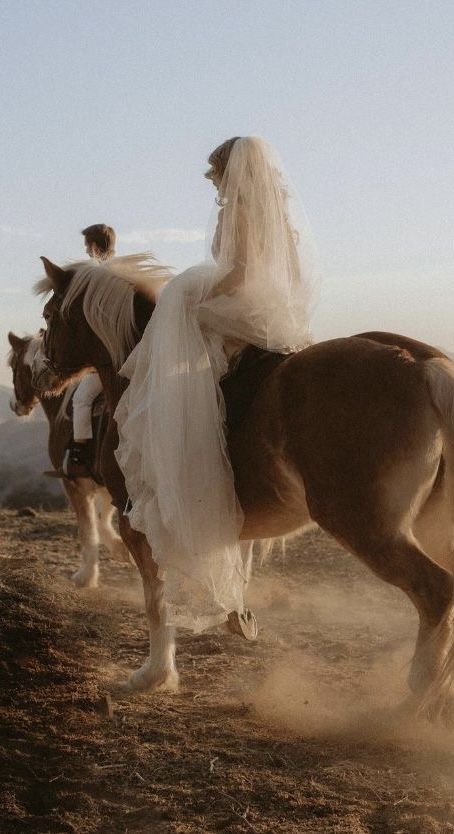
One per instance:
[(172, 448)]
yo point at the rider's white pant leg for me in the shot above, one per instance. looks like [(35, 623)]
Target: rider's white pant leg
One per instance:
[(86, 392)]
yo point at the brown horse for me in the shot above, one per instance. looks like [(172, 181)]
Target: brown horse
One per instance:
[(90, 501), (355, 434)]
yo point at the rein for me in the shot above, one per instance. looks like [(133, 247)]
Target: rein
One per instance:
[(62, 370), (49, 364)]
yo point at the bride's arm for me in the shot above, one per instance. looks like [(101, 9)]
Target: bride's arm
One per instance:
[(230, 282), (235, 277)]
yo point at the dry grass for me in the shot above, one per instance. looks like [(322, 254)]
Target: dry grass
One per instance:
[(272, 737)]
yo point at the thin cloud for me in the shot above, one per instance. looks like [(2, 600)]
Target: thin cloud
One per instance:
[(146, 236), (11, 291), (17, 231)]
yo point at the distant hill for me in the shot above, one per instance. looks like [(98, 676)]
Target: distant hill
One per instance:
[(23, 458), (5, 411)]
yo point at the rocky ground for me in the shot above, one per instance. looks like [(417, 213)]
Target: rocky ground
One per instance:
[(295, 733)]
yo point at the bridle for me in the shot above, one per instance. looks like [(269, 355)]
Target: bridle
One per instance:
[(51, 364)]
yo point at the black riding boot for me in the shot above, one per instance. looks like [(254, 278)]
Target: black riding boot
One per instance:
[(75, 462)]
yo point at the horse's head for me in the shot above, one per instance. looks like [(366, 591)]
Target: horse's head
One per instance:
[(21, 361), (96, 314), (69, 344)]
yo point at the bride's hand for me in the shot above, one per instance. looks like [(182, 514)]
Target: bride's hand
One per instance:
[(230, 282)]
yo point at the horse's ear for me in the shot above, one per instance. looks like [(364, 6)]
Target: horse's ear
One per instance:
[(56, 275), (16, 342)]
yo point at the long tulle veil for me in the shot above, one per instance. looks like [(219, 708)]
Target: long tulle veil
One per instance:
[(173, 449)]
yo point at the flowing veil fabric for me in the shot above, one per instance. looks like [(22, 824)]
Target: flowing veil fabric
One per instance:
[(172, 447)]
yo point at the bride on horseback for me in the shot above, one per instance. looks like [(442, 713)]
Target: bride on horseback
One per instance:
[(173, 450)]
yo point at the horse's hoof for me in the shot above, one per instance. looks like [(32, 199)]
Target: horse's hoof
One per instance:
[(244, 624), (86, 577), (439, 711), (147, 679)]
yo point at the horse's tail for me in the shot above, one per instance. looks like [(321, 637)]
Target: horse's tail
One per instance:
[(440, 376)]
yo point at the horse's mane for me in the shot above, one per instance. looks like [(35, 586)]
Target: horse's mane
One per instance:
[(109, 289)]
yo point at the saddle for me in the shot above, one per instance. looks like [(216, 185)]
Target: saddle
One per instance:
[(239, 387), (241, 383)]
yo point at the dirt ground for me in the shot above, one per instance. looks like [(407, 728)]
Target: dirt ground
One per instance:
[(295, 733)]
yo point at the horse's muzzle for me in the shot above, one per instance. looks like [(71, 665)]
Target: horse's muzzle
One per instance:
[(19, 408)]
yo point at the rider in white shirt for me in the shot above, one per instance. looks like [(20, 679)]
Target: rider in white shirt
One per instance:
[(99, 245)]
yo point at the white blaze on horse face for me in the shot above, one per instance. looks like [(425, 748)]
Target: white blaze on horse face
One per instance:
[(16, 406), (35, 358), (19, 408), (35, 346)]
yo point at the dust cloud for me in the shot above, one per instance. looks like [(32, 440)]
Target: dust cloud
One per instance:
[(305, 695), (345, 644)]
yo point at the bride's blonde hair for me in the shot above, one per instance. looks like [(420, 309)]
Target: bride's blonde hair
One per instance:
[(219, 158)]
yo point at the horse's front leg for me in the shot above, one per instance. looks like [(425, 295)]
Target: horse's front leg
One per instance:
[(244, 622), (247, 556), (159, 670), (81, 494)]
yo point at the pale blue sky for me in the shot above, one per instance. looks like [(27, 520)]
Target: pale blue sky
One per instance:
[(109, 110)]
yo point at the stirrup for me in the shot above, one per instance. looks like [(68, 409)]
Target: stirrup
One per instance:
[(73, 464), (54, 473), (243, 623)]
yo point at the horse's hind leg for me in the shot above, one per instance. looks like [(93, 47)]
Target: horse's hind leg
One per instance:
[(81, 496), (399, 560), (159, 670)]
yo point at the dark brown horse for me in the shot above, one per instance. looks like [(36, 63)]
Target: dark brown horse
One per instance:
[(90, 501), (355, 434)]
